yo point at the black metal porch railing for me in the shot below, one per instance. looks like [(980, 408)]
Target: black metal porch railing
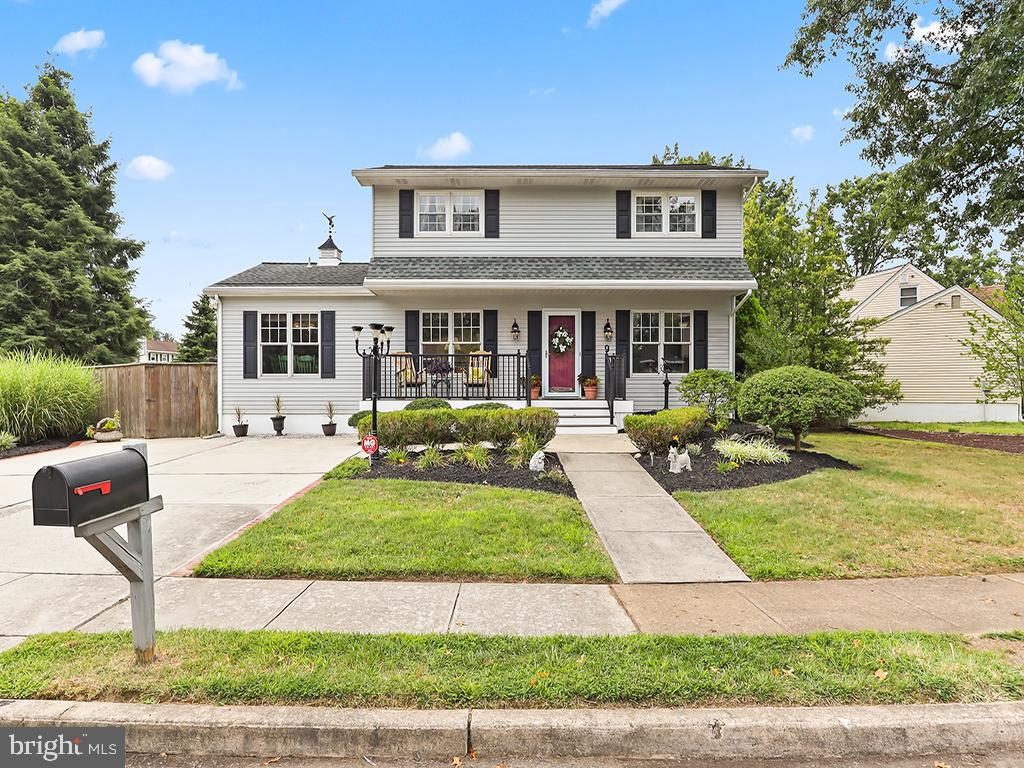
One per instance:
[(461, 376), (614, 382)]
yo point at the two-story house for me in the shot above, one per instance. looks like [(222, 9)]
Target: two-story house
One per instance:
[(494, 278)]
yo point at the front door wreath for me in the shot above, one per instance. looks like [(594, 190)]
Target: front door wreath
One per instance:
[(561, 340)]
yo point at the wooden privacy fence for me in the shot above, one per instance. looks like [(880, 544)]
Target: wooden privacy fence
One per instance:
[(161, 399)]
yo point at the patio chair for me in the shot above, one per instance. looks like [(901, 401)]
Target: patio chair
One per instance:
[(406, 374), (478, 375)]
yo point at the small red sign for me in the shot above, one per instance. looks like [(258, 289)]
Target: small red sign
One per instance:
[(370, 444)]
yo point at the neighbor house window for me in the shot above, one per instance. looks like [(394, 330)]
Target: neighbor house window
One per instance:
[(449, 212), (664, 213), (450, 333), (658, 336), (908, 295), (954, 301), (289, 342)]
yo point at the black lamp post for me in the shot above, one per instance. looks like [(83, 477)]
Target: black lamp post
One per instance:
[(666, 383), (381, 346)]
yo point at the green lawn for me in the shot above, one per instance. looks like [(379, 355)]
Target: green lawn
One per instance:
[(263, 667), (915, 508), (976, 427), (394, 529)]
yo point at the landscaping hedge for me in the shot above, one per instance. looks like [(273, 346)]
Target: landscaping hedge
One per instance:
[(400, 429), (44, 395), (653, 433), (428, 404)]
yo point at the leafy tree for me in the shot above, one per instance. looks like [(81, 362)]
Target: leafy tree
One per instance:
[(999, 345), (714, 390), (199, 344), (67, 274), (970, 270), (671, 156), (158, 335), (942, 99)]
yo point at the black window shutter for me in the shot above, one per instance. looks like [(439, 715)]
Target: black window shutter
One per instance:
[(491, 337), (327, 356), (405, 215), (588, 344), (700, 339), (249, 344), (492, 199), (533, 341), (709, 213), (412, 331), (622, 332), (623, 200)]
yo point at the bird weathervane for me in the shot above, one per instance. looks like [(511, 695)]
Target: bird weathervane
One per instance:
[(330, 223)]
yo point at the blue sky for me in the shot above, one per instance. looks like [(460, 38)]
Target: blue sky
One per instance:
[(236, 123)]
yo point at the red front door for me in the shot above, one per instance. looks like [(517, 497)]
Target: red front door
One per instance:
[(562, 365)]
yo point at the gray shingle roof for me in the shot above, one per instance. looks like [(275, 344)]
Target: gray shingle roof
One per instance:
[(558, 268), (274, 273)]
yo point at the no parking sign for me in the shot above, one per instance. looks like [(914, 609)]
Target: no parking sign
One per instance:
[(370, 444)]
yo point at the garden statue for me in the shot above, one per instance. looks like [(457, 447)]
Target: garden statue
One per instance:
[(537, 462), (683, 462), (673, 457)]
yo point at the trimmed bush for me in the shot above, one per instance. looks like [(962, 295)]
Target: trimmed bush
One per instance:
[(355, 418), (400, 429), (44, 395), (487, 407), (500, 427), (428, 404), (715, 390), (794, 397), (653, 433)]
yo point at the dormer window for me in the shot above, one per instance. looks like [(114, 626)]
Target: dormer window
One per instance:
[(448, 213), (908, 295), (664, 213)]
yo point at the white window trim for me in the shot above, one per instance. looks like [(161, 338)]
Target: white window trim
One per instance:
[(664, 194), (917, 295), (661, 340), (451, 328), (289, 343), (449, 220)]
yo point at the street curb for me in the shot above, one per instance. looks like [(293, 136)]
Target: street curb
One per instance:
[(754, 733)]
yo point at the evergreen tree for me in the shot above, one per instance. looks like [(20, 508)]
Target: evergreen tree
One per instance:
[(199, 344), (67, 274)]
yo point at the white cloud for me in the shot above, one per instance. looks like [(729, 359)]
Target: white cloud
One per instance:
[(82, 40), (541, 91), (185, 238), (179, 66), (802, 133), (449, 147), (148, 168), (601, 10), (892, 51), (934, 34)]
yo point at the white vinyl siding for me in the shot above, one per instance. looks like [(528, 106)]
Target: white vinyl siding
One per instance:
[(883, 294)]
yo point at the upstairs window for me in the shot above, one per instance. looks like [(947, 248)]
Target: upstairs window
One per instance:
[(665, 213), (648, 213), (954, 301), (908, 295), (682, 213), (448, 213)]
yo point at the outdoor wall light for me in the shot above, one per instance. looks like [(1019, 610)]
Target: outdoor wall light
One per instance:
[(608, 333), (515, 330)]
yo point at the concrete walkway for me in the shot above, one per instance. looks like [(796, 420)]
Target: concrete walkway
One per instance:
[(648, 536)]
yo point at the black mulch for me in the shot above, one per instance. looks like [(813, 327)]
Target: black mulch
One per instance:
[(49, 444), (500, 474), (1007, 443), (704, 476)]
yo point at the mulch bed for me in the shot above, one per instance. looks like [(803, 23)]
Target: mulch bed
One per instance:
[(704, 476), (1005, 443), (50, 444), (500, 474)]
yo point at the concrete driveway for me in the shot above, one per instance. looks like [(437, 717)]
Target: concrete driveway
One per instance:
[(49, 581)]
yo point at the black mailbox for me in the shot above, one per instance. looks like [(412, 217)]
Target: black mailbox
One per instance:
[(78, 491)]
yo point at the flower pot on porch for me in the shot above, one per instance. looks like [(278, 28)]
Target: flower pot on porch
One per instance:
[(278, 422), (535, 393), (240, 430), (329, 429), (590, 393)]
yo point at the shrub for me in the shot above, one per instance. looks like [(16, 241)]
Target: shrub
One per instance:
[(44, 395), (428, 404), (397, 456), (715, 390), (794, 397), (760, 450), (400, 429), (522, 450), (7, 441), (721, 467), (539, 422), (355, 418), (653, 433), (500, 427), (431, 458), (487, 407), (475, 455), (694, 449)]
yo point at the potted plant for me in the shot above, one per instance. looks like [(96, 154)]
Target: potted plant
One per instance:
[(589, 384), (278, 418), (240, 427), (106, 430), (438, 367), (330, 427), (535, 387)]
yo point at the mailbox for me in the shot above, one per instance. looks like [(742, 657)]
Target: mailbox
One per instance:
[(79, 491)]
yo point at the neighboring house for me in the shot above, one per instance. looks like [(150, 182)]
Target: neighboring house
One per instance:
[(924, 322), (479, 269), (156, 351)]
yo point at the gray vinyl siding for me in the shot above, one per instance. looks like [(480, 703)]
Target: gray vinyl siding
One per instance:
[(557, 221), (308, 395)]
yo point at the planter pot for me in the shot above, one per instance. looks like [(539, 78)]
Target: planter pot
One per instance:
[(278, 422), (535, 393), (329, 429), (590, 393), (111, 436), (240, 430)]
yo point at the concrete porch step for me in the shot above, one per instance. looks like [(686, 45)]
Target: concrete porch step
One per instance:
[(607, 429), (585, 420)]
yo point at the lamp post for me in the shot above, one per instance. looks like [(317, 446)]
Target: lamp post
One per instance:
[(381, 346)]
